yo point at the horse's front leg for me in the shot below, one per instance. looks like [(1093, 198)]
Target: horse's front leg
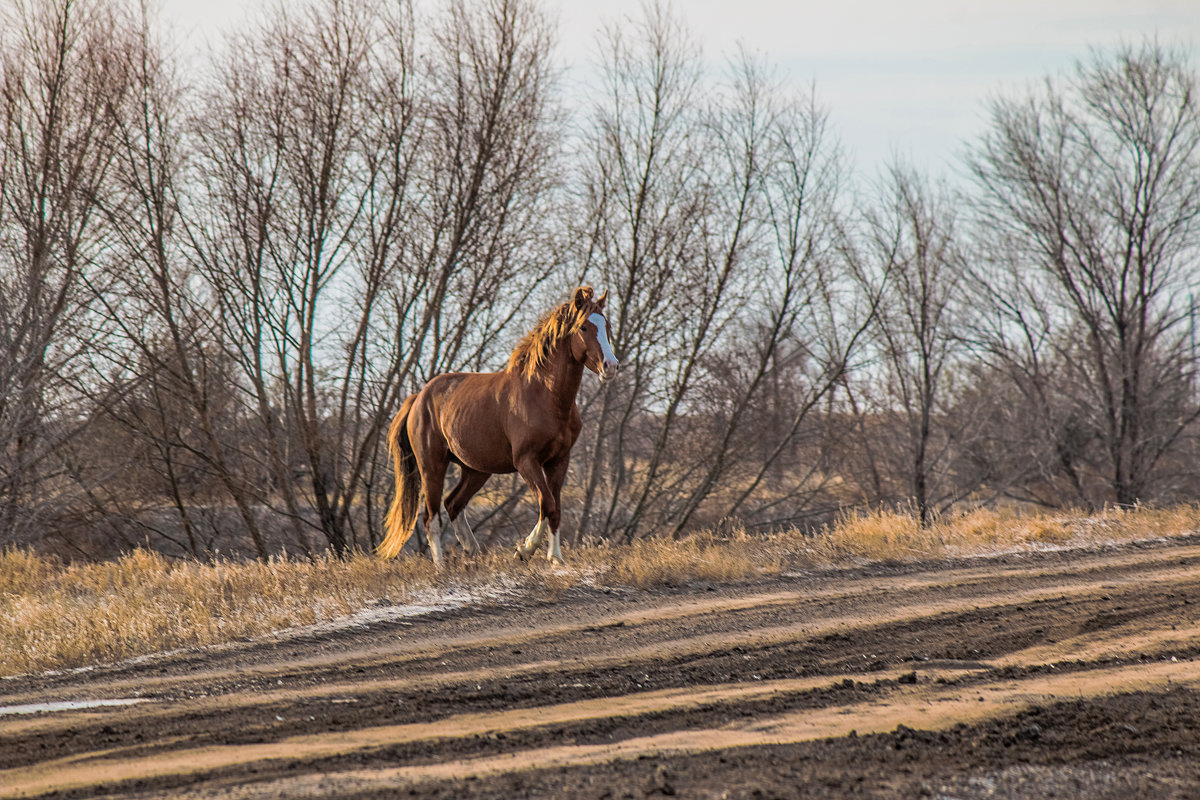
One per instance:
[(553, 553), (529, 469), (556, 475)]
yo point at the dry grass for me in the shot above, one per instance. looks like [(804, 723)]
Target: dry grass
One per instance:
[(56, 616), (893, 536), (657, 562)]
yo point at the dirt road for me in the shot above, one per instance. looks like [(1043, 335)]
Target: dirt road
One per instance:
[(1068, 674)]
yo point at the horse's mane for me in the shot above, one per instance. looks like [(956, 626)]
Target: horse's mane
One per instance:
[(535, 347)]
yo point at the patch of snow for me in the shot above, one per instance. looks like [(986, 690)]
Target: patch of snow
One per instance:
[(418, 604), (67, 705)]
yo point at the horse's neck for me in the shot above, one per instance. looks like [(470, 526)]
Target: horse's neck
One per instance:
[(562, 376)]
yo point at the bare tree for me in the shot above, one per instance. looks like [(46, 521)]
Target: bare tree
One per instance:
[(1088, 192), (904, 401), (289, 248), (802, 322), (644, 200), (711, 215), (62, 82)]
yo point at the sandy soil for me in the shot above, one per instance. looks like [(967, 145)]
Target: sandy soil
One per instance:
[(1068, 674)]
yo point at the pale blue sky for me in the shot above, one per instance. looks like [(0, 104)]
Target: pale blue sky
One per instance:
[(911, 76)]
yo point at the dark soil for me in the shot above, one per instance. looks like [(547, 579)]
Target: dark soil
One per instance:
[(873, 633)]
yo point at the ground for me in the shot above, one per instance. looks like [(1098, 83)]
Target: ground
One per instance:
[(1054, 674)]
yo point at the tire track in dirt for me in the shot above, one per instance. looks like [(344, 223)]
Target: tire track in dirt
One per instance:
[(929, 710), (929, 707), (750, 668), (114, 765)]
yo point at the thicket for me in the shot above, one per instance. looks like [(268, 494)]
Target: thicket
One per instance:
[(218, 281)]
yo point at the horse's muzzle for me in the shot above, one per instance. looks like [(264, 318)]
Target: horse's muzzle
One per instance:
[(607, 371)]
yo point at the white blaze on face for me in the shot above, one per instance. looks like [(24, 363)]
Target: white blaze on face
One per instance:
[(610, 360)]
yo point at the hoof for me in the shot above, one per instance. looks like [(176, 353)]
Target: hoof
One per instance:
[(556, 561)]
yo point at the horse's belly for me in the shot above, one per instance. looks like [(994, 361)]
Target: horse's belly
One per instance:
[(490, 466), (479, 443)]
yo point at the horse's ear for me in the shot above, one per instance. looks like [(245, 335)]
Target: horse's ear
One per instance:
[(603, 297), (582, 296)]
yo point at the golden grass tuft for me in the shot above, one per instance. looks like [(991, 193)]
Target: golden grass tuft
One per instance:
[(871, 535), (55, 615), (883, 535), (656, 562)]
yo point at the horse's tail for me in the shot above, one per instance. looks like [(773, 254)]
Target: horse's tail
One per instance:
[(402, 516)]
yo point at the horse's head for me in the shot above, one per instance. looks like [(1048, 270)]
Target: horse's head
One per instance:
[(590, 344)]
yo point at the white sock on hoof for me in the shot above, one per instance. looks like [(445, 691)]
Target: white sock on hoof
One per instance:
[(553, 553)]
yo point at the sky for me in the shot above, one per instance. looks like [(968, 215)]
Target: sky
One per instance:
[(904, 77)]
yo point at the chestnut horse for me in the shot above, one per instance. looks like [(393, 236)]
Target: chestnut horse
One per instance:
[(522, 420)]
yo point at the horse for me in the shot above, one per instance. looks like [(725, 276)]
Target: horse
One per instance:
[(523, 419)]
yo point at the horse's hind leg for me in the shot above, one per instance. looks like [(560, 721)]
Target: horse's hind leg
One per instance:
[(466, 536), (533, 541), (468, 484), (434, 521), (433, 533), (432, 459)]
